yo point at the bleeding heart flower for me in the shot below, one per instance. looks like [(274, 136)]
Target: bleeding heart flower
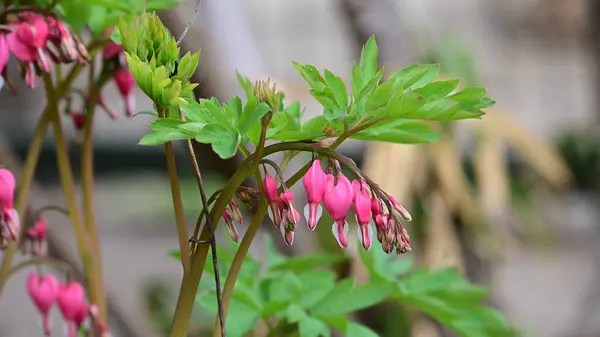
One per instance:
[(37, 236), (70, 299), (125, 84), (401, 210), (44, 291), (7, 189), (289, 216), (4, 53), (362, 209), (231, 226), (315, 184), (111, 50), (337, 202), (78, 120), (270, 190)]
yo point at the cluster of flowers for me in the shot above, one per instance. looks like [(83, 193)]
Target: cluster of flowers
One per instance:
[(45, 290), (37, 41), (338, 195)]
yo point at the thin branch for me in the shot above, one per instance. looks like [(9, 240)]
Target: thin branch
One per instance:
[(213, 241), (189, 24)]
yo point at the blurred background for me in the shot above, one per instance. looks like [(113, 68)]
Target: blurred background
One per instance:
[(512, 200)]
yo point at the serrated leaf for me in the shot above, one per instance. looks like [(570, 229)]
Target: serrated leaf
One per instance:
[(312, 327), (224, 141), (251, 117), (359, 330), (415, 76), (368, 59), (399, 131), (311, 75), (315, 285), (354, 300), (437, 90), (340, 289), (337, 86), (294, 313)]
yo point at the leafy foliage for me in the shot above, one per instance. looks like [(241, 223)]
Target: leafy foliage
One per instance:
[(301, 294), (373, 110)]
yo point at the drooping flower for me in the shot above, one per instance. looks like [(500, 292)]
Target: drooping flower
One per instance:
[(270, 190), (125, 84), (70, 299), (111, 50), (78, 120), (362, 209), (236, 211), (231, 226), (37, 236), (337, 201), (4, 53), (44, 291), (289, 216), (399, 208), (7, 189), (315, 184)]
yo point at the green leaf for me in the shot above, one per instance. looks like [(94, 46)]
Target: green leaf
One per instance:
[(368, 59), (115, 36), (307, 262), (340, 289), (312, 327), (311, 75), (357, 299), (224, 141), (415, 76), (437, 90), (246, 85), (285, 288), (359, 330), (337, 86), (156, 138), (295, 313), (274, 258), (252, 116), (315, 285), (400, 131), (272, 308), (241, 319)]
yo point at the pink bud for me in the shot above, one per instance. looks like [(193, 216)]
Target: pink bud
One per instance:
[(315, 184), (362, 203), (288, 237), (375, 207), (12, 223), (231, 226), (43, 291), (111, 50), (337, 202), (70, 300), (236, 211), (401, 210), (4, 53), (270, 189), (289, 211), (78, 120), (126, 83), (381, 220), (7, 189)]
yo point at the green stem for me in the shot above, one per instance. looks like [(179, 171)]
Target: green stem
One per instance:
[(240, 256), (67, 268), (180, 222), (97, 292), (66, 177)]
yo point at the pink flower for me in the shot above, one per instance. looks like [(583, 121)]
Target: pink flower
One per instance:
[(401, 210), (43, 291), (236, 211), (82, 314), (125, 84), (70, 299), (4, 53), (37, 236), (337, 202), (289, 216), (362, 209), (111, 50), (7, 189), (315, 184), (270, 190), (78, 120), (231, 226)]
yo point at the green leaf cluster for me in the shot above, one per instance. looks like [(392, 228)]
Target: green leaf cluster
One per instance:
[(443, 294), (299, 294), (153, 58)]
